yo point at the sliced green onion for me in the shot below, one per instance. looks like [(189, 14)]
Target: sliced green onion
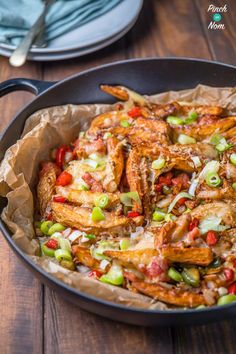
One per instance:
[(45, 226), (63, 255), (83, 187), (192, 117), (93, 164), (174, 274), (97, 214), (125, 124), (124, 244), (216, 139), (196, 161), (177, 198), (211, 167), (159, 163), (126, 198), (226, 299), (191, 276), (184, 139), (101, 160), (170, 217), (223, 146), (67, 264), (174, 120), (90, 236), (56, 228), (234, 185), (49, 252), (211, 222), (158, 215), (213, 179), (114, 275), (200, 307), (233, 158), (64, 244), (101, 201), (107, 135)]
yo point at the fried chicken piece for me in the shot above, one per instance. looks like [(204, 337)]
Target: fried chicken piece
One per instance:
[(86, 197), (80, 218), (105, 121), (192, 255), (202, 110), (165, 110), (171, 296), (133, 257), (133, 176), (114, 166), (46, 185)]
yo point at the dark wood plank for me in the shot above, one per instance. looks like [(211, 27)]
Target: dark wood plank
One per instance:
[(69, 330), (21, 294), (221, 41)]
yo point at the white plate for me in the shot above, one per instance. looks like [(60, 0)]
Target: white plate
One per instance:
[(100, 30), (72, 53)]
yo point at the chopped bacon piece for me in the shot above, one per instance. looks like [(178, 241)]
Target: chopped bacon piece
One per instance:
[(181, 201), (95, 186), (94, 274), (194, 233), (181, 181)]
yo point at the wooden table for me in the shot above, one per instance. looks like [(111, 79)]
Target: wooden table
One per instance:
[(33, 318)]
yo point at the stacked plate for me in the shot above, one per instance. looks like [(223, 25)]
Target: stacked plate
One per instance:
[(88, 38)]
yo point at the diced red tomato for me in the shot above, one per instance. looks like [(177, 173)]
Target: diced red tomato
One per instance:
[(133, 214), (59, 199), (52, 243), (49, 216), (182, 201), (211, 238), (194, 223), (181, 181), (94, 274), (135, 112), (229, 274), (64, 179), (232, 288), (60, 155), (234, 263)]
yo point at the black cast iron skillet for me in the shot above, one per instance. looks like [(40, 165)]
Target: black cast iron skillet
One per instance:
[(147, 76)]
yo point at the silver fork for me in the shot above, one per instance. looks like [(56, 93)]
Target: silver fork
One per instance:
[(19, 56)]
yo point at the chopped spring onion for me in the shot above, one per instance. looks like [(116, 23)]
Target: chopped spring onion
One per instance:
[(83, 187), (158, 164), (91, 163), (126, 198), (174, 120), (49, 252), (226, 299), (193, 187), (125, 124), (234, 185), (184, 139), (45, 226), (90, 236), (177, 198), (191, 276), (220, 142), (211, 223), (211, 167), (114, 275), (56, 228), (233, 158), (158, 215), (196, 161), (74, 235), (124, 244), (213, 179), (104, 263), (174, 274), (101, 201), (101, 160), (97, 214), (170, 217), (107, 135), (192, 117), (64, 244), (63, 255), (67, 264)]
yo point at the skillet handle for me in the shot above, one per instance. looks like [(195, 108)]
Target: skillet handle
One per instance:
[(22, 84)]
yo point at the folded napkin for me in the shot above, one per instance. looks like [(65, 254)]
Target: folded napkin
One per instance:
[(17, 16)]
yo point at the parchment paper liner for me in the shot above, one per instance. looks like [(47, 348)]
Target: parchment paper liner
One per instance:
[(48, 128)]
